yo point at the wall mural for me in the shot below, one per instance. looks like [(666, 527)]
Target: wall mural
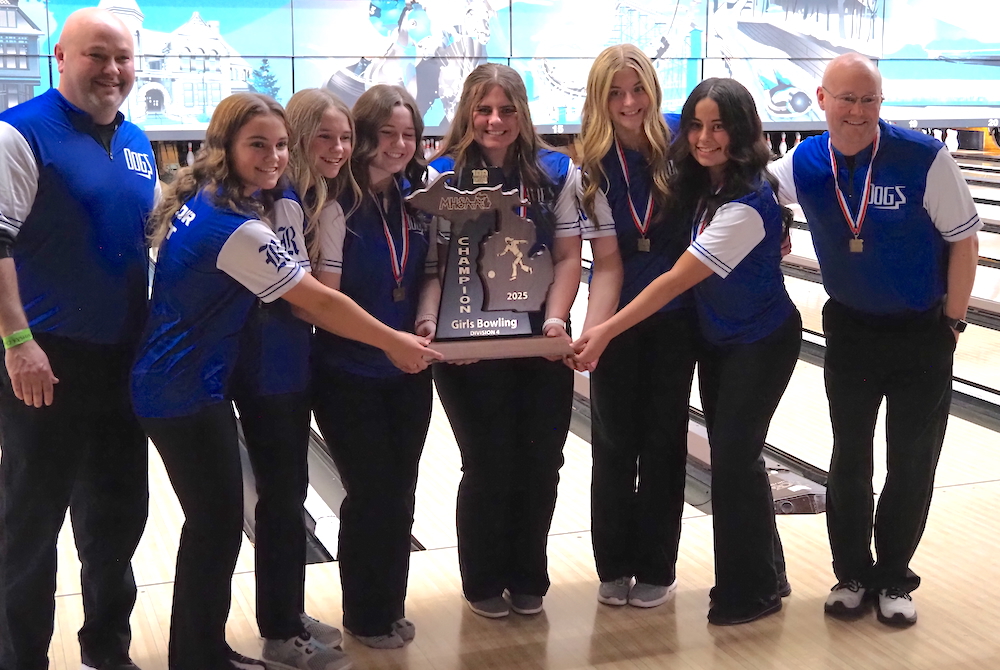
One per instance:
[(193, 53)]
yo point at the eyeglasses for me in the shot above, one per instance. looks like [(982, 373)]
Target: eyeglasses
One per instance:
[(849, 100)]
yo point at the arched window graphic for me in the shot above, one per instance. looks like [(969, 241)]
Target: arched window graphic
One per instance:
[(155, 102)]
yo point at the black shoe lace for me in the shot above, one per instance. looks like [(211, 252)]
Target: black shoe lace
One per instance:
[(896, 593), (852, 585)]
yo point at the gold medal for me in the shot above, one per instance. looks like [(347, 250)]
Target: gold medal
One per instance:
[(399, 294), (643, 244), (855, 223)]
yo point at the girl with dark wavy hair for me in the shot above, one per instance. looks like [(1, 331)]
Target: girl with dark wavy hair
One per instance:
[(751, 330)]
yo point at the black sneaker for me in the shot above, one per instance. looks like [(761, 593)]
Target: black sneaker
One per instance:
[(756, 609)]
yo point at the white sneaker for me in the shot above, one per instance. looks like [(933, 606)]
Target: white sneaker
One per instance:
[(303, 653), (650, 595), (896, 608), (615, 592), (846, 600)]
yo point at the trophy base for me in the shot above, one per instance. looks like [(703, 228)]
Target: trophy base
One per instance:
[(492, 348)]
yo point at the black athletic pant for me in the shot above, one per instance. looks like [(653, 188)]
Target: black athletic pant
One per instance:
[(201, 456), (276, 432), (907, 361), (375, 429), (740, 386), (639, 397), (510, 418), (87, 452)]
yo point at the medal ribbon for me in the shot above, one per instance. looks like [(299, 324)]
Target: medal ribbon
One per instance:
[(641, 224), (522, 210), (703, 219), (855, 224), (398, 265)]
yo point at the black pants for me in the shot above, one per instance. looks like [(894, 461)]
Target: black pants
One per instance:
[(639, 397), (740, 389), (510, 419), (375, 430), (276, 431), (87, 452), (909, 363), (201, 456)]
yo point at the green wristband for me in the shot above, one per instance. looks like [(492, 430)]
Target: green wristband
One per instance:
[(17, 337)]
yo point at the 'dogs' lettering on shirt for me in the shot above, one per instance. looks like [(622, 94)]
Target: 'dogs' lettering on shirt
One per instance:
[(140, 163), (887, 197)]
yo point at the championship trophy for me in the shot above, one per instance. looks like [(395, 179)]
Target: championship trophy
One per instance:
[(491, 282)]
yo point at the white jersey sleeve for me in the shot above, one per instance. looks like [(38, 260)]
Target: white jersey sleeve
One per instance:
[(289, 225), (18, 181), (332, 229), (948, 201), (603, 224), (781, 169), (567, 208), (735, 231), (255, 258)]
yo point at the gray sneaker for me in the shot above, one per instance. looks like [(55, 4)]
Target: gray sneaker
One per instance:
[(525, 604), (390, 640), (303, 653), (614, 593), (650, 595), (323, 633), (491, 608), (405, 629)]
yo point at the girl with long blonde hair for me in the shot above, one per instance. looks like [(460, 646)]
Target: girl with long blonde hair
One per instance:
[(640, 389), (319, 158)]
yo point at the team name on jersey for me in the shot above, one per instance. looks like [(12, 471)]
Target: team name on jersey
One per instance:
[(140, 163), (887, 197), (184, 216)]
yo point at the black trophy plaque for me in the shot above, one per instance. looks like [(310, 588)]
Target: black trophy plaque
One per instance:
[(491, 283)]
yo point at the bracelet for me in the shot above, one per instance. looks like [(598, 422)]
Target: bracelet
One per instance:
[(554, 321), (424, 318), (17, 337)]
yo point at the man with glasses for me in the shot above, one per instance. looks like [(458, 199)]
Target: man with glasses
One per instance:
[(894, 227)]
